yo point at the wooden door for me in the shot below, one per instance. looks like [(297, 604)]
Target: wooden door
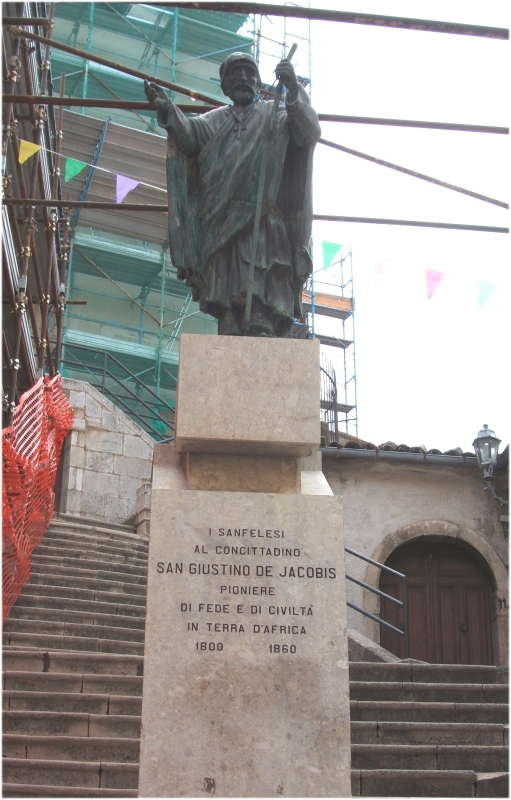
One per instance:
[(448, 604)]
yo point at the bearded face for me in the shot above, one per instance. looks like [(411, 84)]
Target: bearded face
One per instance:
[(241, 83)]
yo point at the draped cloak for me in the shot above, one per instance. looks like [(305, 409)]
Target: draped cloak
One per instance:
[(212, 178)]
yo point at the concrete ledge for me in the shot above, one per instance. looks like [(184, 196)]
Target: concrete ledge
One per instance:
[(361, 648)]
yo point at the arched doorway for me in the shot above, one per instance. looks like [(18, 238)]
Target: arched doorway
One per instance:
[(448, 603)]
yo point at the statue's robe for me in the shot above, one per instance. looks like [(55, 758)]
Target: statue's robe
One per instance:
[(213, 168)]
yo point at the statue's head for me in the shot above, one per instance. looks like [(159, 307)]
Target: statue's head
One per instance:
[(239, 78)]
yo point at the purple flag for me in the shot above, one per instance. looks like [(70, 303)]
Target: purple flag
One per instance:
[(123, 187)]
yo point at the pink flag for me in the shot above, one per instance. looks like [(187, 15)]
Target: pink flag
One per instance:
[(123, 187), (433, 281), (379, 270)]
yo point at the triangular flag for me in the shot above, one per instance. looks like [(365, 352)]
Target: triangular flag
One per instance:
[(433, 281), (330, 251), (72, 168), (27, 149), (484, 290), (379, 271), (123, 187)]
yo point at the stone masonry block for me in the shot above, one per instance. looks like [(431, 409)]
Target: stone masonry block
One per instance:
[(92, 505), (118, 508), (92, 409), (79, 480), (77, 457), (79, 424), (109, 422), (71, 481), (136, 447), (77, 399), (100, 485), (73, 502), (128, 488), (99, 461), (69, 384), (104, 441), (280, 378), (126, 425), (133, 467)]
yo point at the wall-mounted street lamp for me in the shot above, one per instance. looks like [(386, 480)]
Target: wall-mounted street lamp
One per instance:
[(486, 446)]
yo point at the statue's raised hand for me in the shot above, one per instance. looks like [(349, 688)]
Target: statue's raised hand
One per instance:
[(156, 96), (286, 73)]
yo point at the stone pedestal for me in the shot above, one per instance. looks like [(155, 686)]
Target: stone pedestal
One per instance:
[(246, 396), (246, 689)]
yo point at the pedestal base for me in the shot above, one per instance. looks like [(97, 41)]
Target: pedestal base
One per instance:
[(246, 688)]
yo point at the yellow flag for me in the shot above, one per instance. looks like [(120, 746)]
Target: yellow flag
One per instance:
[(27, 149)]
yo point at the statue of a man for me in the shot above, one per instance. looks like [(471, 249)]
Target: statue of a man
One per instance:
[(213, 173)]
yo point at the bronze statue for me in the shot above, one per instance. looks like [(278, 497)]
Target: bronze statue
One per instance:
[(239, 184)]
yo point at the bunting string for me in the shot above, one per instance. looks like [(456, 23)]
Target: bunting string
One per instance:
[(73, 167)]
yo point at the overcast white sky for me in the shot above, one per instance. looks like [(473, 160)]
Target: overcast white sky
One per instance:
[(429, 372)]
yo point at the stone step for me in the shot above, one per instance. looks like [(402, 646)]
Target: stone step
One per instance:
[(452, 733), (395, 711), (62, 597), (67, 723), (386, 756), (110, 555), (62, 518), (71, 748), (87, 558), (93, 775), (78, 617), (107, 534), (83, 702), (108, 664), (89, 567), (33, 790), (429, 692), (127, 685), (420, 783), (74, 629), (426, 673), (77, 580), (90, 540), (45, 641)]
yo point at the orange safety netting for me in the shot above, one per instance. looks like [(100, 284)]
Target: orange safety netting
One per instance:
[(31, 449)]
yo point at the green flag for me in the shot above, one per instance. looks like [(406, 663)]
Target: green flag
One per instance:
[(330, 251), (72, 168)]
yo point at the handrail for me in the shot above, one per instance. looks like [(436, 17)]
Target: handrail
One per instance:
[(101, 371), (403, 603)]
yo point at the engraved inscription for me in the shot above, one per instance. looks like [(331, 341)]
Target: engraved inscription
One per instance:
[(229, 575)]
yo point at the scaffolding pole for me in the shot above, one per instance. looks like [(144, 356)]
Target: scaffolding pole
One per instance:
[(352, 17)]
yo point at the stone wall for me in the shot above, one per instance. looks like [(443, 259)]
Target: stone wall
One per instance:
[(107, 457), (387, 504)]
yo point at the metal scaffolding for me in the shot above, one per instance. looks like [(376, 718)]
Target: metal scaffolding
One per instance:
[(97, 297), (88, 285)]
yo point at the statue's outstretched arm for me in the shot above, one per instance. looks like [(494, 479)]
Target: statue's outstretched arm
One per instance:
[(172, 119)]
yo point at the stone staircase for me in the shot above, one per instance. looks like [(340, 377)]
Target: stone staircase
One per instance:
[(73, 664), (428, 730)]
